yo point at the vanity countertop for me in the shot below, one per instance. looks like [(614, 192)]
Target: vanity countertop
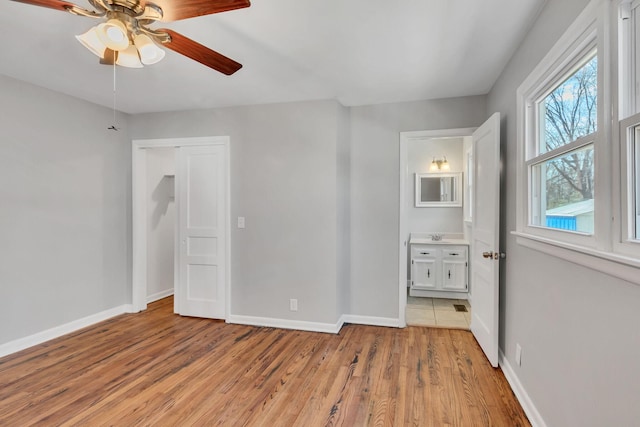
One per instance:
[(425, 239), (444, 241)]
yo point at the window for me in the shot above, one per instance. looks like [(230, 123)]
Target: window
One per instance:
[(629, 112), (562, 171), (630, 180), (578, 171), (561, 139)]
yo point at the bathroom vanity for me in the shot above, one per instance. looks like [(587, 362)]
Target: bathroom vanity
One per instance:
[(439, 268)]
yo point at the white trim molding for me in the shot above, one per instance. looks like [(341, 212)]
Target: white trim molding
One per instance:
[(300, 325), (521, 394), (58, 331), (159, 295), (372, 321), (616, 265)]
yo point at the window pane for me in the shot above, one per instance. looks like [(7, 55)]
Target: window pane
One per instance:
[(569, 111), (562, 191)]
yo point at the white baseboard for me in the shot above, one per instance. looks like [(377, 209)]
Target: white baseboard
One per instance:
[(331, 328), (40, 337), (159, 295), (521, 394), (371, 320)]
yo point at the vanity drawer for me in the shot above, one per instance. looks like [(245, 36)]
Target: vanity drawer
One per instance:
[(454, 252), (423, 252)]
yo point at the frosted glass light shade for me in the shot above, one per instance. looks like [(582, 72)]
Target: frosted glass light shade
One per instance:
[(91, 41), (129, 58), (150, 53), (113, 34)]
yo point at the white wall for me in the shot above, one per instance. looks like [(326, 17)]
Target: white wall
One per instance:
[(65, 210), (578, 328), (420, 155), (375, 191), (161, 219), (287, 163)]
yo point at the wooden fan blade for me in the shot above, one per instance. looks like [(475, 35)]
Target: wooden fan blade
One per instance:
[(194, 50), (175, 10), (51, 4)]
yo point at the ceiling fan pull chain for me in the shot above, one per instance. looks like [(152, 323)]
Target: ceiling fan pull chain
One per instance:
[(113, 126)]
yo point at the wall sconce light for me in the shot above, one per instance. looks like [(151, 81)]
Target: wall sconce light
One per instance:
[(438, 165)]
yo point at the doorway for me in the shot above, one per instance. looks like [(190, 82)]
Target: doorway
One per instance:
[(480, 249), (417, 151), (200, 223)]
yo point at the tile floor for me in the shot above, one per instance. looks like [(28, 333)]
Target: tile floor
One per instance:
[(437, 312)]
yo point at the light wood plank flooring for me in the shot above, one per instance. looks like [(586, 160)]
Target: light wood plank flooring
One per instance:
[(156, 368)]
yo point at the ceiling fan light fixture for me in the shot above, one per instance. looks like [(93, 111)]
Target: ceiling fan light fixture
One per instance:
[(149, 52), (129, 58), (113, 34), (91, 41)]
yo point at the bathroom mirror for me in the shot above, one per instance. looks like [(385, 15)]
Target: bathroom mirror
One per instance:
[(437, 190)]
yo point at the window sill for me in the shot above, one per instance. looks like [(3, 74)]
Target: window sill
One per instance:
[(620, 266)]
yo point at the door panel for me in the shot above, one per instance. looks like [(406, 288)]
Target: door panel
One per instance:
[(485, 237), (201, 200)]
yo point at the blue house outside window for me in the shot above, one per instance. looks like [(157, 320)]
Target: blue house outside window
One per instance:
[(562, 222)]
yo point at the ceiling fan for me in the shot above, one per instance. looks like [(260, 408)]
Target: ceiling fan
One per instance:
[(125, 38)]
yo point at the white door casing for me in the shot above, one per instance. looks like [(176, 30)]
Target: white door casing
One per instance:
[(200, 180), (485, 237), (139, 224)]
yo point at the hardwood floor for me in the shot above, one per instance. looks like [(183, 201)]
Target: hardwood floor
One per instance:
[(156, 368)]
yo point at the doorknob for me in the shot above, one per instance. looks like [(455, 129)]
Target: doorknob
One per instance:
[(494, 255)]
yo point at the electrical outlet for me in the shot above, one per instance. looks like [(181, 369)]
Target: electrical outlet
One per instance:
[(293, 304), (240, 222), (518, 354)]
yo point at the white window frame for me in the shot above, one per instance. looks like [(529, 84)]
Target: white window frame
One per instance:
[(628, 131), (604, 250), (628, 33), (580, 40)]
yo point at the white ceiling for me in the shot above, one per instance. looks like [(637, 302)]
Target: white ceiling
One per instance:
[(356, 51)]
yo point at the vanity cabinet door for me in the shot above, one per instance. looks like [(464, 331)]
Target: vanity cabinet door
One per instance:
[(423, 273), (454, 269)]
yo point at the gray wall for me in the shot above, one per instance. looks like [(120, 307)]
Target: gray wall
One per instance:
[(287, 163), (343, 192), (375, 191), (578, 328), (65, 210), (309, 177)]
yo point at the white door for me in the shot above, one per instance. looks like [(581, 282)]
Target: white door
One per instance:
[(485, 236), (201, 202)]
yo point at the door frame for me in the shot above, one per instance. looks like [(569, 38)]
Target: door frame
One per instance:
[(139, 217), (403, 243)]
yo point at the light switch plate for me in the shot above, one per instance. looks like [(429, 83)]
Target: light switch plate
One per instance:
[(240, 222)]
